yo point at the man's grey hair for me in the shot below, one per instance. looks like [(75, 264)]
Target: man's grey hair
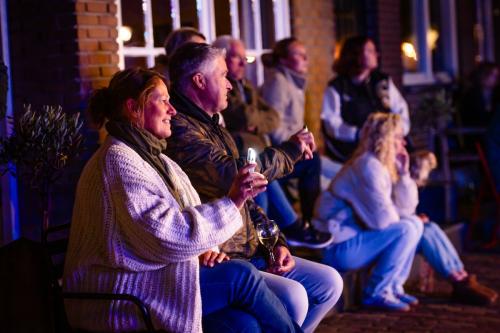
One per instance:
[(192, 58)]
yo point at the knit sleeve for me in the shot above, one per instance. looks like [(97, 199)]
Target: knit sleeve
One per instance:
[(405, 196), (150, 225), (373, 201)]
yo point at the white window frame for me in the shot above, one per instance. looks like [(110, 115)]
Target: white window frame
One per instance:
[(421, 24), (206, 22), (282, 29)]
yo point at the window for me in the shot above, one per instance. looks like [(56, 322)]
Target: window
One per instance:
[(429, 43), (144, 25)]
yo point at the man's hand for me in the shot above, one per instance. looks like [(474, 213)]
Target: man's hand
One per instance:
[(210, 258), (284, 261), (305, 140)]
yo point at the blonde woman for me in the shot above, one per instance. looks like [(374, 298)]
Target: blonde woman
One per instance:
[(370, 224)]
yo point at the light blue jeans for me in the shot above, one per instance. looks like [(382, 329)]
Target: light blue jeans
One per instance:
[(437, 249), (276, 205), (390, 250), (235, 298), (308, 291)]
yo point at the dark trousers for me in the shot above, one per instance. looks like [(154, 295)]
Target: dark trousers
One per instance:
[(308, 172)]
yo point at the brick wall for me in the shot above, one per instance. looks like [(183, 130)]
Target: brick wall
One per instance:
[(60, 50), (43, 49), (389, 39), (96, 35), (313, 24)]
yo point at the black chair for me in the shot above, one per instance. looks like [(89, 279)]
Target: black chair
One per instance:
[(55, 242)]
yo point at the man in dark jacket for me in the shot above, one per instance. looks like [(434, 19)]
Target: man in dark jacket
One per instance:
[(209, 156), (251, 120)]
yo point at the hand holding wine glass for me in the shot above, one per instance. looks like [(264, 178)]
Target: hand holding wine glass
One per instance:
[(268, 233)]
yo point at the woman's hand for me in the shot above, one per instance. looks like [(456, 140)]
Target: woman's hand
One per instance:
[(402, 161), (305, 140), (423, 217), (284, 261), (210, 258), (246, 185)]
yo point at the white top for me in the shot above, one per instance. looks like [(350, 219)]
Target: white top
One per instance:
[(129, 235), (336, 127), (364, 186)]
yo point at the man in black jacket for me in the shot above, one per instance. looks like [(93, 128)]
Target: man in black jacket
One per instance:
[(209, 156)]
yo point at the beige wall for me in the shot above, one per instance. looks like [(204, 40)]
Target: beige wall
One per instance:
[(313, 24)]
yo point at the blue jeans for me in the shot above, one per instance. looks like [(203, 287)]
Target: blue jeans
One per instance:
[(276, 205), (390, 250), (438, 251), (308, 172), (235, 288), (308, 291)]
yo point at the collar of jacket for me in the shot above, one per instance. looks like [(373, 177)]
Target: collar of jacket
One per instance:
[(298, 79), (245, 84), (184, 105)]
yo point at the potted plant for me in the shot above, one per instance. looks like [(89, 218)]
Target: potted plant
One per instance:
[(43, 144), (433, 112)]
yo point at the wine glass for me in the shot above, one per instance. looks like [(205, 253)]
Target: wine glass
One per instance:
[(268, 233)]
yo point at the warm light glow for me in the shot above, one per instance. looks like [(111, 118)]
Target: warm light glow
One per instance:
[(125, 33), (250, 59), (409, 50), (432, 37)]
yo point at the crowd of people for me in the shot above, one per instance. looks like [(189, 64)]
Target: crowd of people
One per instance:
[(166, 209)]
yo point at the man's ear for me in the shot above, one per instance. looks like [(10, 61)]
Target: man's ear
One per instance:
[(199, 80)]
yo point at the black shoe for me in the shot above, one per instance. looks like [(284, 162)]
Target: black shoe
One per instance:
[(307, 236)]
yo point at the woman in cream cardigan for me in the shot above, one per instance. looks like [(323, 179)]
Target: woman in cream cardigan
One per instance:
[(138, 225), (370, 213)]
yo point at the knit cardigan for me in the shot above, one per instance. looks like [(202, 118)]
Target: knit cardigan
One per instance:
[(364, 188), (129, 235)]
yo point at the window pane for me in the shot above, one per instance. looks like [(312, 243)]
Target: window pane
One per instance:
[(133, 17), (267, 18), (349, 19), (162, 21), (131, 62), (247, 31), (434, 37), (408, 37), (189, 15), (222, 17)]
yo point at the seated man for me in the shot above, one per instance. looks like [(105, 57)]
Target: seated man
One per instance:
[(208, 154), (250, 120)]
